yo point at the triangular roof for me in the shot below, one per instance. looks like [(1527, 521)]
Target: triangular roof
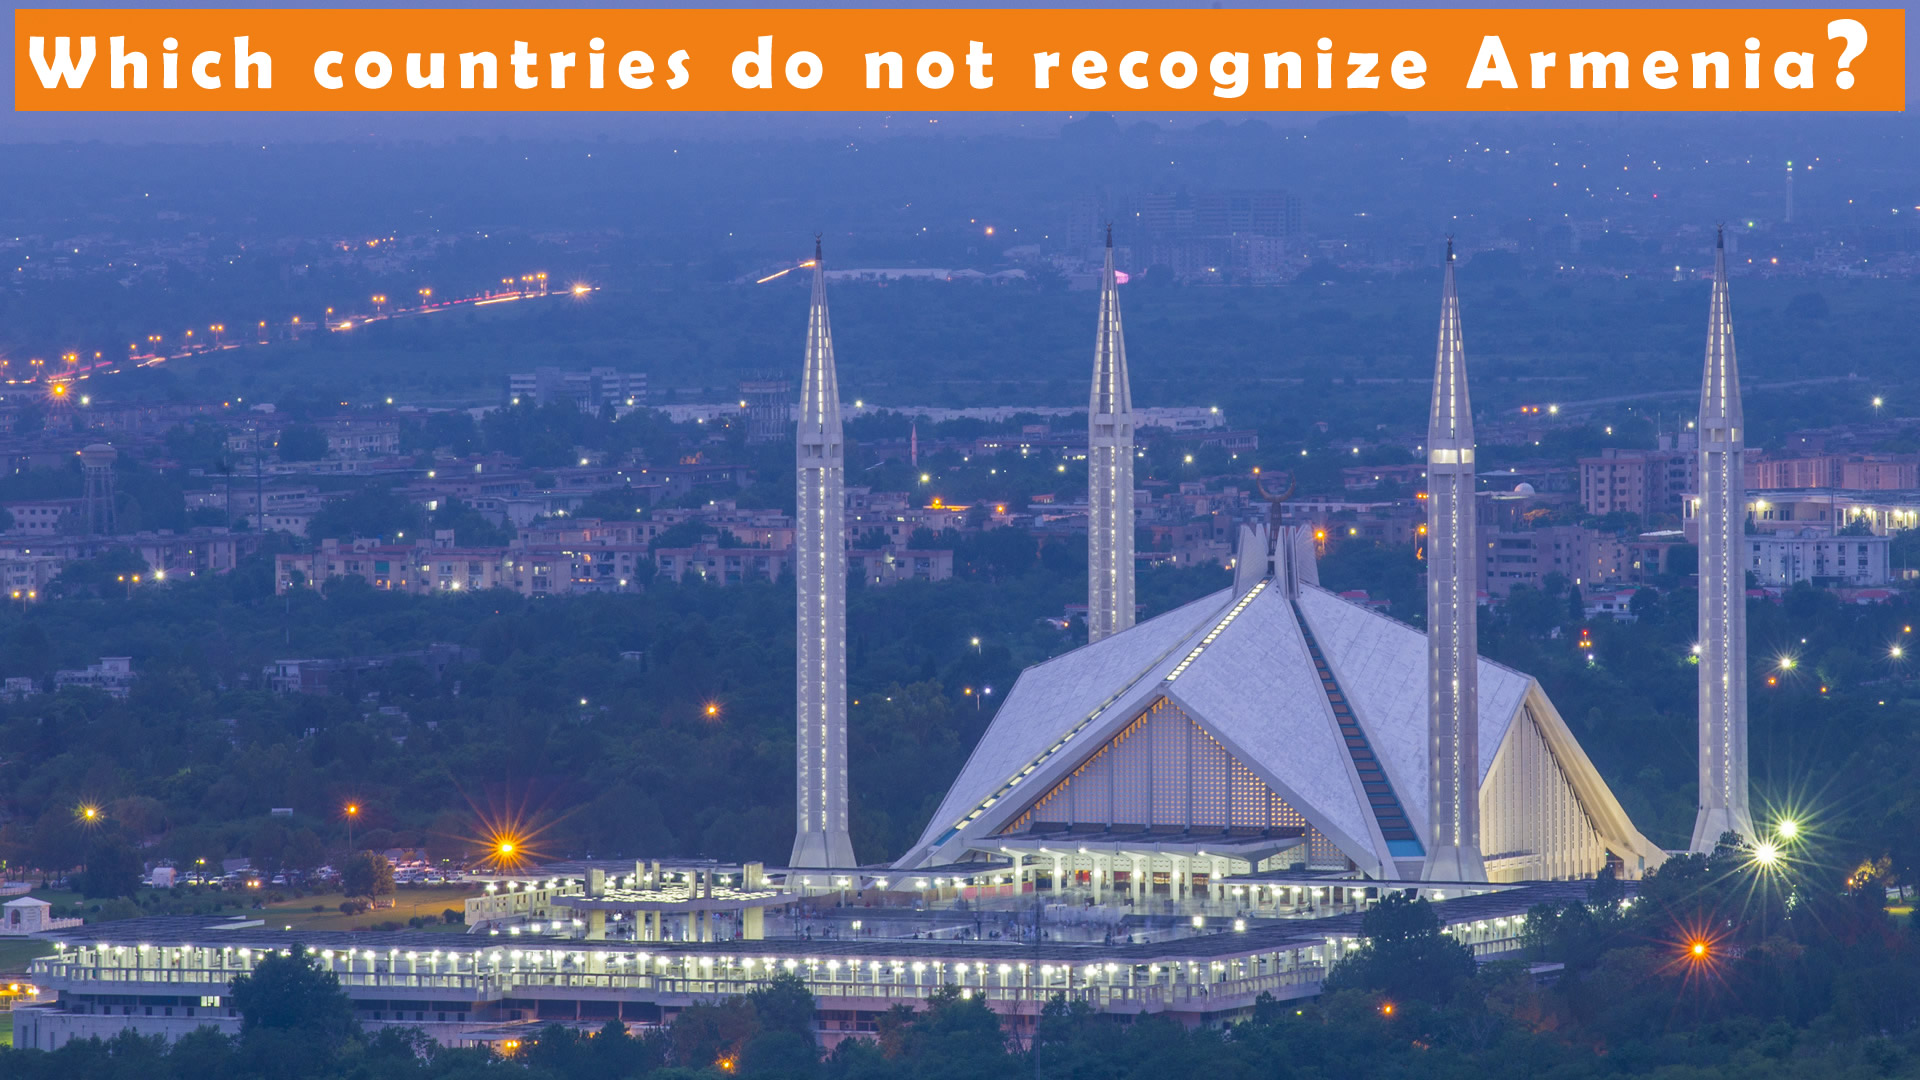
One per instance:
[(1382, 664), (1255, 689), (1061, 699), (1240, 667)]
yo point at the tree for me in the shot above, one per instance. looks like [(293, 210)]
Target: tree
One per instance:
[(374, 511), (784, 1004), (1405, 956), (304, 851), (57, 842), (294, 1018), (302, 442), (366, 873), (114, 868), (266, 848)]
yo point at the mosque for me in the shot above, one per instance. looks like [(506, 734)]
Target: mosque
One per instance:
[(1273, 726)]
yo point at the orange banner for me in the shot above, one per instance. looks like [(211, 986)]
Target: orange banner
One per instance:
[(934, 60)]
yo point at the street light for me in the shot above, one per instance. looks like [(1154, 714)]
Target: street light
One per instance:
[(353, 811)]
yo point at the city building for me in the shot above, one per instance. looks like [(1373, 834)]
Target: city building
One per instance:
[(1583, 557), (1820, 558), (888, 565), (587, 391), (1855, 472), (25, 577), (1367, 477), (1644, 482), (44, 517), (717, 565), (362, 437), (1616, 604), (1217, 236), (1828, 509), (327, 675), (111, 675)]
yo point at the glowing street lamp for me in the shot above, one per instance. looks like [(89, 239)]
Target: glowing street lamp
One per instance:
[(353, 811), (1788, 829), (1766, 853)]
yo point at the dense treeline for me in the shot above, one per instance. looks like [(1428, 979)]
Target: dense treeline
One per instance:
[(1729, 966), (539, 722)]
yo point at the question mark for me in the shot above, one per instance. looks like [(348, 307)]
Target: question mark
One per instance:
[(1856, 36)]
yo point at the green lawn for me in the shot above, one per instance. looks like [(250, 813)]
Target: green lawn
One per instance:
[(15, 954), (57, 897), (408, 903)]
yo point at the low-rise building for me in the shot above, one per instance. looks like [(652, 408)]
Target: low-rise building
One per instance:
[(111, 675), (1851, 472), (42, 517), (585, 390), (1822, 509), (887, 565), (1368, 477), (25, 577), (718, 565), (1611, 603), (1818, 558)]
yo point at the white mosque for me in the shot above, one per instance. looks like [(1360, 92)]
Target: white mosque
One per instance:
[(1274, 727)]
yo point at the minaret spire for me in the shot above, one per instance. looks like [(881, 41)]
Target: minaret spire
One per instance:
[(1453, 654), (1109, 471), (820, 572), (1723, 579)]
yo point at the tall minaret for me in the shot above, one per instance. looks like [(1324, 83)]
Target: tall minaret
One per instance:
[(1109, 471), (1723, 580), (820, 573), (1453, 654)]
